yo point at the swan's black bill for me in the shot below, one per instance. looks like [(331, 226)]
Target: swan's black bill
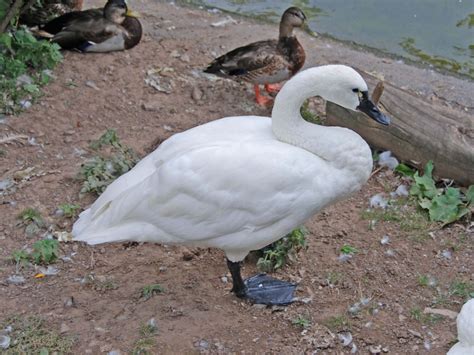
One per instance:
[(368, 107)]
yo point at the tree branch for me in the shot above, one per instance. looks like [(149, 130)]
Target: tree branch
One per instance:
[(10, 14)]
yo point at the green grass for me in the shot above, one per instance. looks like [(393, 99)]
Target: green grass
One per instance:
[(308, 115), (462, 289), (146, 342), (69, 210), (101, 170), (31, 215), (277, 254), (334, 277), (423, 280), (418, 315), (301, 321), (31, 335), (21, 55), (45, 251), (149, 291), (348, 249), (337, 323)]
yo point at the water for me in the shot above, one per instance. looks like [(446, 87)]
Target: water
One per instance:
[(436, 32)]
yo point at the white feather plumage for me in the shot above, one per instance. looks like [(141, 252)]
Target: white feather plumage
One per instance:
[(238, 183)]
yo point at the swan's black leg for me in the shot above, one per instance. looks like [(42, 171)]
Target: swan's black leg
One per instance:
[(238, 286), (260, 288)]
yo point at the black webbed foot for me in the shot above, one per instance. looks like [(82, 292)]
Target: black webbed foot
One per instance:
[(263, 289)]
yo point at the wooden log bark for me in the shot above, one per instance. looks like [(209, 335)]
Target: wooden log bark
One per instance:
[(419, 131)]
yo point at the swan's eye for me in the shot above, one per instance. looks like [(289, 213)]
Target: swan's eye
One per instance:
[(355, 90)]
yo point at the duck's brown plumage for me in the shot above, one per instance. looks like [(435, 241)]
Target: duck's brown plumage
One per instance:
[(265, 62), (80, 29)]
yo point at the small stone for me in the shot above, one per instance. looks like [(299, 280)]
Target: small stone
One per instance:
[(114, 352), (203, 344), (16, 279), (92, 85), (187, 255), (4, 341), (375, 349), (69, 302), (224, 279), (196, 94), (64, 328), (151, 106)]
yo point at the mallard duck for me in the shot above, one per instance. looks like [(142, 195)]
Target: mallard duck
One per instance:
[(43, 11), (112, 28), (265, 62), (241, 183), (465, 325)]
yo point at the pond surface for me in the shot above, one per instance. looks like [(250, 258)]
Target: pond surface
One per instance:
[(437, 32)]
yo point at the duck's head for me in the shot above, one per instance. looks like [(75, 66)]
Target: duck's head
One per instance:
[(117, 10), (293, 17), (345, 87)]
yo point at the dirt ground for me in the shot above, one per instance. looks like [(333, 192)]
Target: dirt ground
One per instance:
[(196, 312)]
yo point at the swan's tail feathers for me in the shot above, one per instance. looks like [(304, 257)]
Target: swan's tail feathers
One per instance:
[(129, 231)]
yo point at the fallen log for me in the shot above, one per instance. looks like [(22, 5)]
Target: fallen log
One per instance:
[(419, 131)]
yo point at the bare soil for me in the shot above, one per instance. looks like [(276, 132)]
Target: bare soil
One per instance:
[(196, 312)]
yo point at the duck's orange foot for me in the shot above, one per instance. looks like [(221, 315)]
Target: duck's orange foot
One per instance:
[(273, 88), (262, 100)]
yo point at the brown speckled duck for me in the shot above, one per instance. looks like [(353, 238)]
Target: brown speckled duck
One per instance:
[(265, 62), (112, 28)]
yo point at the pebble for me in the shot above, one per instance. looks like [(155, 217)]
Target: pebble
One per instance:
[(224, 279), (4, 341), (64, 328), (196, 94), (151, 106), (16, 279), (375, 349), (92, 85)]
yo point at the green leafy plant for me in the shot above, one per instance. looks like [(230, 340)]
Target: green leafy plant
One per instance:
[(32, 220), (347, 249), (69, 210), (149, 291), (462, 289), (21, 257), (443, 205), (45, 251), (405, 170), (99, 171), (24, 67), (301, 321), (276, 254)]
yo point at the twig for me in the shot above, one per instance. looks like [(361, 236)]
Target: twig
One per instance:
[(376, 171), (10, 14)]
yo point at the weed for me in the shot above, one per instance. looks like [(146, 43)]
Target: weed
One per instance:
[(149, 291), (337, 323), (69, 210), (24, 65), (443, 205), (334, 277), (21, 257), (423, 280), (463, 289), (31, 336), (308, 115), (276, 254), (302, 322), (45, 251), (99, 171), (146, 342), (347, 249), (31, 215), (418, 315)]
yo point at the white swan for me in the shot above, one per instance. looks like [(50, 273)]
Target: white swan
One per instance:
[(465, 323), (241, 183)]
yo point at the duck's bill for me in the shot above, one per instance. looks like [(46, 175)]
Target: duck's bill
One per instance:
[(131, 13), (370, 109)]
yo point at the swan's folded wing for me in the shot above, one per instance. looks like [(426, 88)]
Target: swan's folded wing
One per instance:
[(218, 190)]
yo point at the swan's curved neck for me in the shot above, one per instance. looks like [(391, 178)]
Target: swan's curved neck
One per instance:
[(340, 147)]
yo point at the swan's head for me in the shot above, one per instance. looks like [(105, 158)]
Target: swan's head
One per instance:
[(293, 17), (345, 87)]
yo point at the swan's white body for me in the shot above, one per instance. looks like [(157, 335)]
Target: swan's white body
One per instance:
[(465, 323), (238, 183)]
